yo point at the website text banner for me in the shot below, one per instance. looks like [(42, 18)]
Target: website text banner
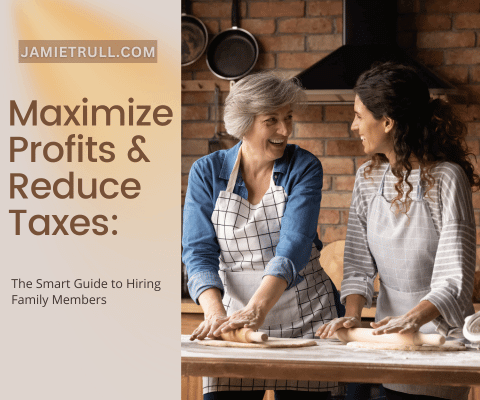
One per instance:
[(87, 51)]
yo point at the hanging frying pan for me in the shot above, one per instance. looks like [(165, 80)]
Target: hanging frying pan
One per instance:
[(233, 53), (194, 36)]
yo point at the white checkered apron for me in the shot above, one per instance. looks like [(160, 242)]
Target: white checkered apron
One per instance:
[(248, 235), (404, 249)]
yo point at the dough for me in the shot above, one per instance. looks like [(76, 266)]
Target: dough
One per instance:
[(270, 343), (405, 347)]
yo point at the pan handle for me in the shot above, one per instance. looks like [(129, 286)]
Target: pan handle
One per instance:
[(235, 14), (185, 7)]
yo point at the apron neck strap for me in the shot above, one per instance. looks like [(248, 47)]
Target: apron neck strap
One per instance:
[(382, 183), (419, 184), (272, 181), (233, 176)]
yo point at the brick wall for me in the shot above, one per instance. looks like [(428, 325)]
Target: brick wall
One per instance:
[(292, 35)]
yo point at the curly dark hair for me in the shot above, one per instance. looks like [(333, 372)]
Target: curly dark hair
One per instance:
[(425, 128)]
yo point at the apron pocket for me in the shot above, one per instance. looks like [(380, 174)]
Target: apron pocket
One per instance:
[(240, 287)]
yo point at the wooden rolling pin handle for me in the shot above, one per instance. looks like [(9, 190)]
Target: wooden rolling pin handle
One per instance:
[(431, 339), (366, 335), (256, 337), (245, 335)]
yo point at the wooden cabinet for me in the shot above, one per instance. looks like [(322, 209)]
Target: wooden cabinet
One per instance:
[(474, 393)]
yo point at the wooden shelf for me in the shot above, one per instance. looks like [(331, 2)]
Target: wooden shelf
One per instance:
[(206, 85)]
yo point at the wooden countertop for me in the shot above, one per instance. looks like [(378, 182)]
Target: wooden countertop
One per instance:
[(330, 360), (189, 307)]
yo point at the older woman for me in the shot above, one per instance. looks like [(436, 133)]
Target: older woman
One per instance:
[(411, 218), (250, 233)]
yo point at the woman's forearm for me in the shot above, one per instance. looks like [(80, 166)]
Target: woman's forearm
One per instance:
[(211, 302), (268, 293), (215, 315), (253, 314), (354, 304), (409, 322), (423, 313)]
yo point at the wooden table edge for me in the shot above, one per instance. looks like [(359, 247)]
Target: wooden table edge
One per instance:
[(331, 371)]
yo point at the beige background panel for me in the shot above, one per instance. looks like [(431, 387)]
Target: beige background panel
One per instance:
[(127, 348)]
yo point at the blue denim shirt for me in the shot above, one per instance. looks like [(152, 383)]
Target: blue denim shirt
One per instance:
[(297, 171)]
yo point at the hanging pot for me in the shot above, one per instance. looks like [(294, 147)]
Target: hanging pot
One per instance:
[(233, 53), (194, 36)]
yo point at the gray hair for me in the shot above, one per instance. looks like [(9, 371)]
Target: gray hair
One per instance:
[(259, 93)]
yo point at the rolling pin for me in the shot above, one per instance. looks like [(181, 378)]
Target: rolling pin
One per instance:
[(244, 335), (365, 335)]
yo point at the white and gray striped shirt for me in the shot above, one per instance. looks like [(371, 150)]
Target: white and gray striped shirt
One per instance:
[(450, 204)]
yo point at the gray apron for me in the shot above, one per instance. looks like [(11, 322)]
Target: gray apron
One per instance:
[(248, 235), (404, 249)]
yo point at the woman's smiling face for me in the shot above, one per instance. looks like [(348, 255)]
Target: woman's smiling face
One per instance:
[(375, 134), (269, 133)]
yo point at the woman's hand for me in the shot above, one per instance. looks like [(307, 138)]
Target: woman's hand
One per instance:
[(254, 313), (209, 326), (410, 322), (353, 305), (247, 317), (326, 331), (401, 324), (215, 314)]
